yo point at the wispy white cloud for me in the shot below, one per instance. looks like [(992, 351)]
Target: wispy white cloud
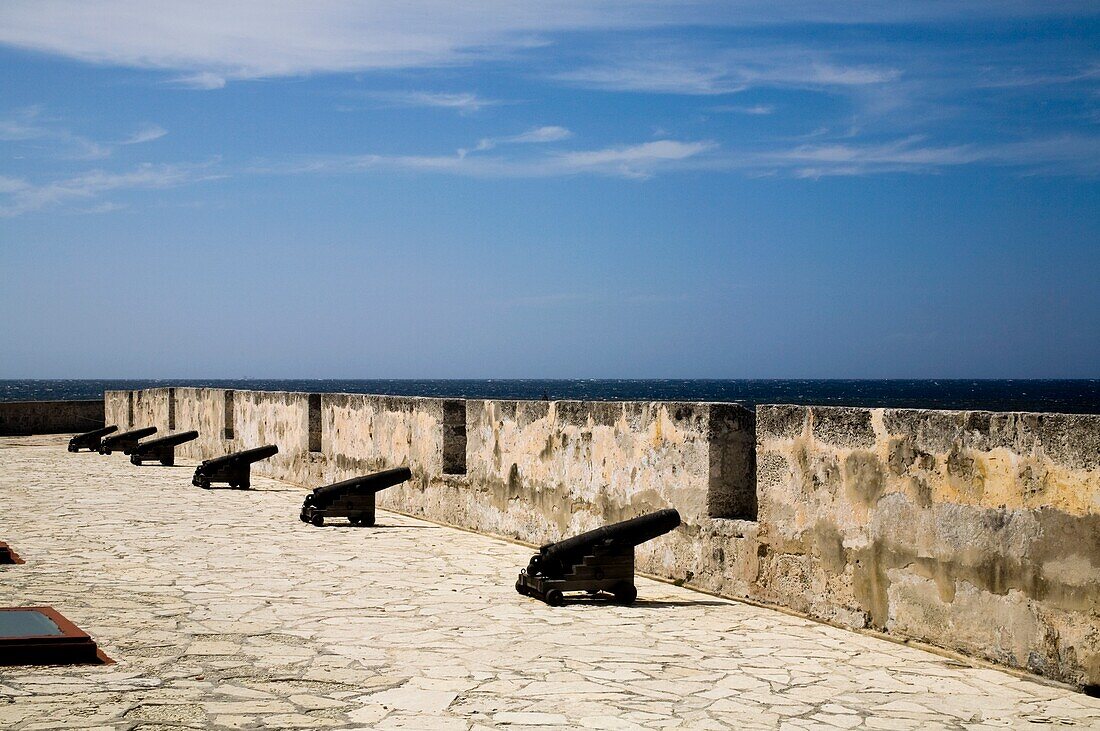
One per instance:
[(540, 134), (105, 207), (753, 109), (536, 135), (700, 69), (1001, 78), (18, 196), (638, 161), (12, 185), (645, 74), (23, 124), (202, 80), (211, 41), (30, 125), (147, 133), (632, 161), (463, 102), (1063, 155)]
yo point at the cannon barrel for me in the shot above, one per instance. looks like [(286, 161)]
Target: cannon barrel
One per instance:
[(97, 433), (90, 439), (125, 441), (246, 456), (133, 434), (628, 533), (169, 440), (324, 496)]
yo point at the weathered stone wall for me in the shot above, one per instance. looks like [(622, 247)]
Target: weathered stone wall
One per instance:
[(540, 470), (976, 532), (116, 408), (362, 433), (151, 409), (49, 417), (202, 410)]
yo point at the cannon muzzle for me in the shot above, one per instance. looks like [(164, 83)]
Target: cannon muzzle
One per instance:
[(90, 440)]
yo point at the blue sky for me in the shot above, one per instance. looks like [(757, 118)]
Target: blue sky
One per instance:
[(619, 189)]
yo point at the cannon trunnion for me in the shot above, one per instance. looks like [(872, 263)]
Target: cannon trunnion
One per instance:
[(352, 499), (90, 440), (601, 560), (232, 468), (162, 449), (125, 442)]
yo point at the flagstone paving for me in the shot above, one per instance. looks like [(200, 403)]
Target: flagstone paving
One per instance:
[(222, 610)]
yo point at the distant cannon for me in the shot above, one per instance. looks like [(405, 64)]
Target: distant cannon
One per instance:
[(232, 468), (90, 440), (162, 449), (599, 560), (352, 499), (126, 441)]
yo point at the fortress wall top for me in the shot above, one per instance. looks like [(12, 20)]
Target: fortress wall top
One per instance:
[(973, 531)]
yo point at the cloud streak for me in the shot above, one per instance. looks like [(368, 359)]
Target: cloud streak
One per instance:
[(29, 125), (1074, 155), (1062, 155), (702, 70), (207, 42), (537, 135), (18, 196), (637, 161), (462, 102)]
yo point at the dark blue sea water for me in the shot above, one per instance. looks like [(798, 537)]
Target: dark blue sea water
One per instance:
[(1078, 396)]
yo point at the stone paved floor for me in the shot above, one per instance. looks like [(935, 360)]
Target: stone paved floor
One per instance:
[(222, 610)]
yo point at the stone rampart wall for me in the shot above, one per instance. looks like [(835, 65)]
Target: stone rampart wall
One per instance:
[(976, 531), (973, 531), (49, 417)]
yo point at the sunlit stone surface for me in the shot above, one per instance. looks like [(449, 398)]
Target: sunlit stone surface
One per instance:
[(222, 610)]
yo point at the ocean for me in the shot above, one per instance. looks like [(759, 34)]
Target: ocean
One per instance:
[(1065, 396)]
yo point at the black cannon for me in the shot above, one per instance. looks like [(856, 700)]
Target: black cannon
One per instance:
[(90, 440), (232, 468), (125, 442), (601, 560), (352, 499), (162, 449)]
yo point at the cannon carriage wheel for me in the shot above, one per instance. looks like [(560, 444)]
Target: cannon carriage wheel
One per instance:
[(625, 593)]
